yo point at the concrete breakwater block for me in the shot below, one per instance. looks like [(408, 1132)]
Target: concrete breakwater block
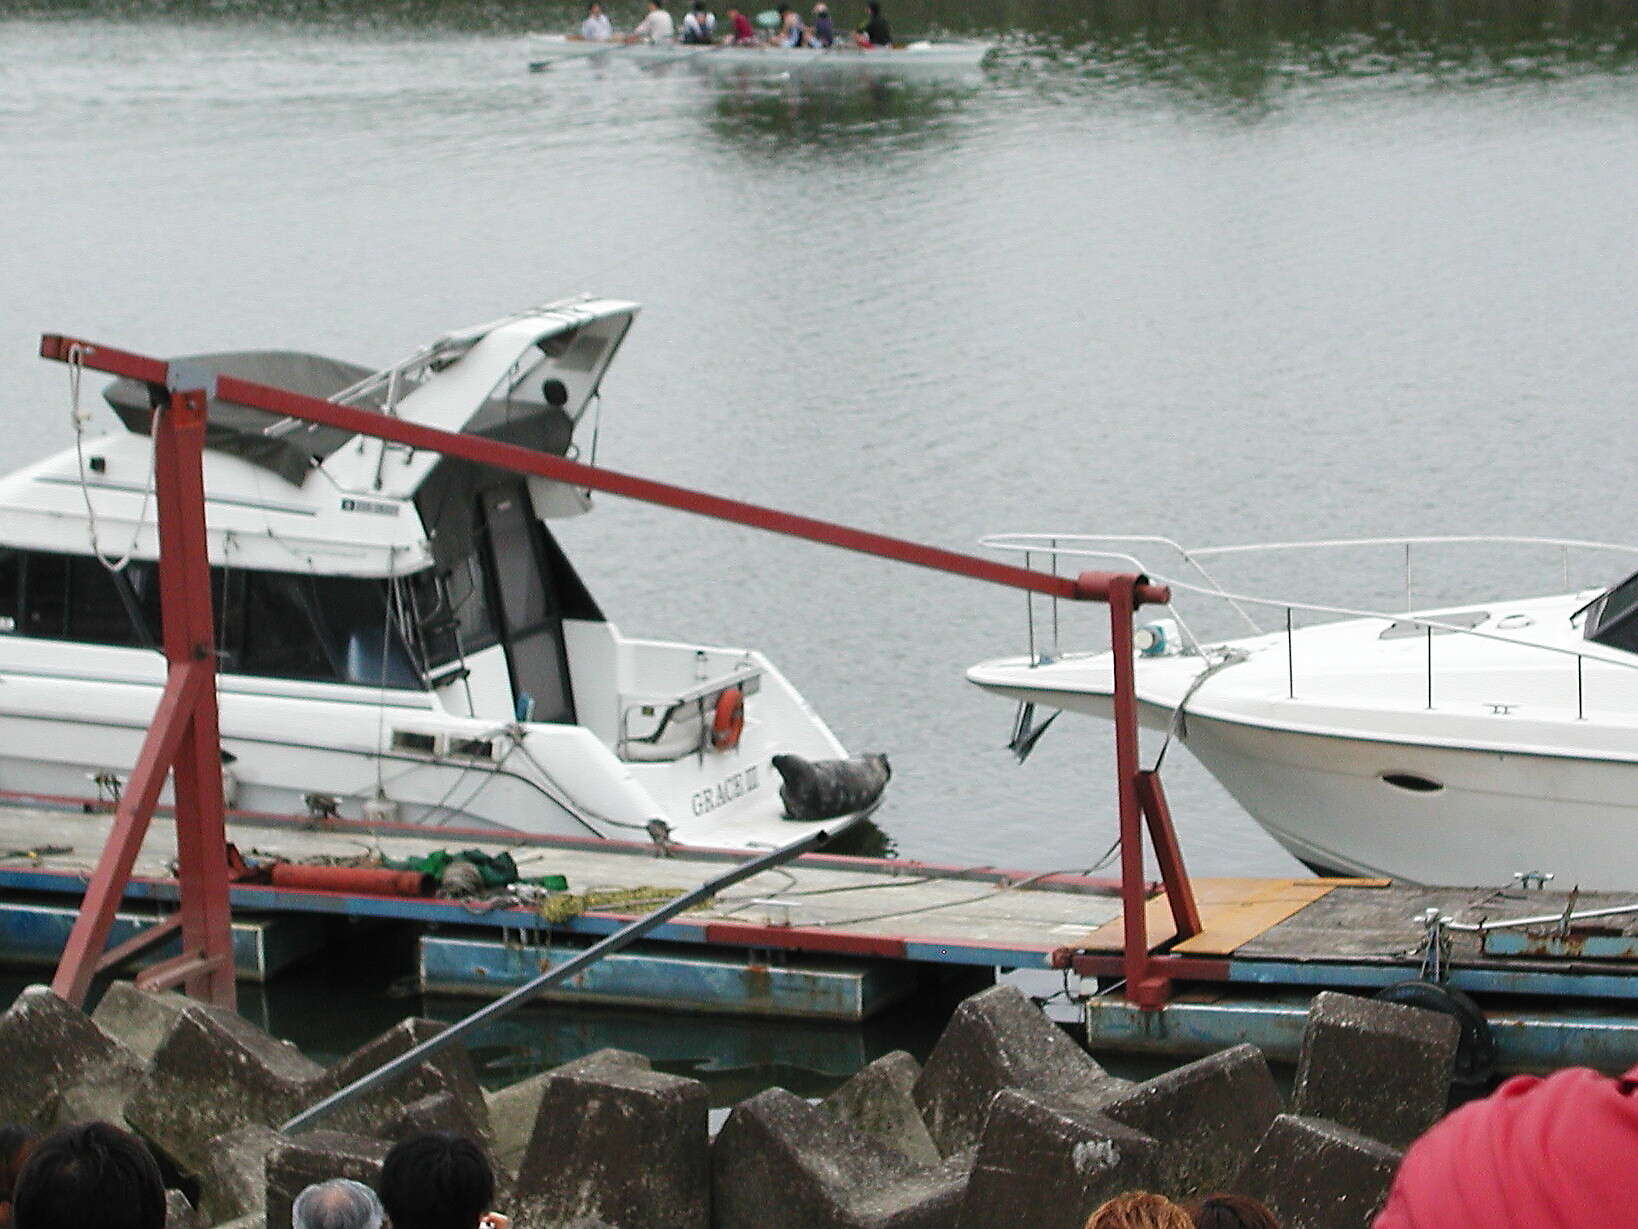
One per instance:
[(234, 1181), (1379, 1068), (1209, 1117), (138, 1019), (999, 1039), (617, 1142), (213, 1073), (52, 1051), (879, 1101), (1317, 1175), (512, 1114), (779, 1161), (377, 1112), (1046, 1162), (317, 1156), (179, 1213)]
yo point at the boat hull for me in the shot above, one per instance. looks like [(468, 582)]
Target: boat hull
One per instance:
[(1333, 803), (935, 57), (1378, 806)]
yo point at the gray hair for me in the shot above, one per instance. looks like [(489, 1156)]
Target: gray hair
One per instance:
[(339, 1203)]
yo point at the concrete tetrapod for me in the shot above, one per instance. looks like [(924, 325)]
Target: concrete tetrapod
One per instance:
[(999, 1039), (1381, 1069), (781, 1161), (1046, 1162)]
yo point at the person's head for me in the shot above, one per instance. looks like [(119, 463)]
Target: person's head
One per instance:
[(699, 7), (594, 9), (1139, 1210), (436, 1181), (820, 10), (654, 6), (89, 1174), (339, 1203), (1233, 1212), (874, 7)]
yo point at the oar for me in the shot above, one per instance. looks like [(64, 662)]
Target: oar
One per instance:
[(684, 55), (540, 66)]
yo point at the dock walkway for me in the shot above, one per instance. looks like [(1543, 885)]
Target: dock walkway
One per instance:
[(840, 937)]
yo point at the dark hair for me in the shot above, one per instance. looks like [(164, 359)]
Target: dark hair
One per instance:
[(89, 1174), (1233, 1212), (875, 8), (438, 1180)]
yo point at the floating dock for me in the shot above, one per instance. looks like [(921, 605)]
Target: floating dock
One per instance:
[(840, 938)]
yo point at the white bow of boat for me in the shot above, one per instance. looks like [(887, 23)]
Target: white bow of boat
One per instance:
[(1448, 744)]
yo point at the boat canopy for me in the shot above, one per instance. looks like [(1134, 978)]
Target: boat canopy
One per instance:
[(526, 378), (242, 430)]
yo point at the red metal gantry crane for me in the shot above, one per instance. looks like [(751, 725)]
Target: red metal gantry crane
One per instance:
[(183, 739)]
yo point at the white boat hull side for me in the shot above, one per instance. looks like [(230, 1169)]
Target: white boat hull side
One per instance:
[(1324, 799)]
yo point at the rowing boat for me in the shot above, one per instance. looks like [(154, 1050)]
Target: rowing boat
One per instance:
[(547, 50)]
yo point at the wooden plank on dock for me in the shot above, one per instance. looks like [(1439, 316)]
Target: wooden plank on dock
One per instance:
[(1232, 911)]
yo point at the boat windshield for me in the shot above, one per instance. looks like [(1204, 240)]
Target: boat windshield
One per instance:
[(1613, 619)]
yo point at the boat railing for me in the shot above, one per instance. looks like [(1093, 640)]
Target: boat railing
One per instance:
[(1204, 584), (668, 711)]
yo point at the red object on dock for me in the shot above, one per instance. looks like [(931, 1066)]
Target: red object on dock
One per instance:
[(184, 735), (365, 880)]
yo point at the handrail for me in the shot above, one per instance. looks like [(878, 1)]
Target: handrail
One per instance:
[(1399, 617), (1095, 546)]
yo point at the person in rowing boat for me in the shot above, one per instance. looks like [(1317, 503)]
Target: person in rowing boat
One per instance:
[(824, 30), (741, 30), (597, 28), (875, 32), (655, 27), (791, 31), (700, 25)]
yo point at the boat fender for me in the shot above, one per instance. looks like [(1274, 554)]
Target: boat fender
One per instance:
[(1475, 1046), (826, 789), (728, 720)]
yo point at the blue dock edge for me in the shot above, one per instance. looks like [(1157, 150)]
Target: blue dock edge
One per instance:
[(1582, 1035), (673, 978), (34, 935)]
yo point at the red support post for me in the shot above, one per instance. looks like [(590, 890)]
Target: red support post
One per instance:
[(183, 737), (190, 643), (1141, 798), (1179, 892)]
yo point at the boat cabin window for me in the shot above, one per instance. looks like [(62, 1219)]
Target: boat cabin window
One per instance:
[(1613, 618), (11, 589), (275, 624)]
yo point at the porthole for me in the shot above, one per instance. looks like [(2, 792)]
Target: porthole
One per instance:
[(1412, 783)]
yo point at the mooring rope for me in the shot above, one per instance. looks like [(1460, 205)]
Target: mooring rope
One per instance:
[(78, 418)]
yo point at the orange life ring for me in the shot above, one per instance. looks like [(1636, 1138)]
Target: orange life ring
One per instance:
[(728, 720)]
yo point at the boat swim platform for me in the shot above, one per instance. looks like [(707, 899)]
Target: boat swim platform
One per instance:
[(840, 937)]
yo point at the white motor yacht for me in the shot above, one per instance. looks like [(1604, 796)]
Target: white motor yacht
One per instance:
[(1458, 745), (400, 636)]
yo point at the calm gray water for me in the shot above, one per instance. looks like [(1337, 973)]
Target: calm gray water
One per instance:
[(1221, 272)]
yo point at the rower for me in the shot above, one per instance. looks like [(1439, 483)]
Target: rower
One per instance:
[(597, 28), (741, 30), (656, 27), (875, 32), (700, 25), (824, 31)]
